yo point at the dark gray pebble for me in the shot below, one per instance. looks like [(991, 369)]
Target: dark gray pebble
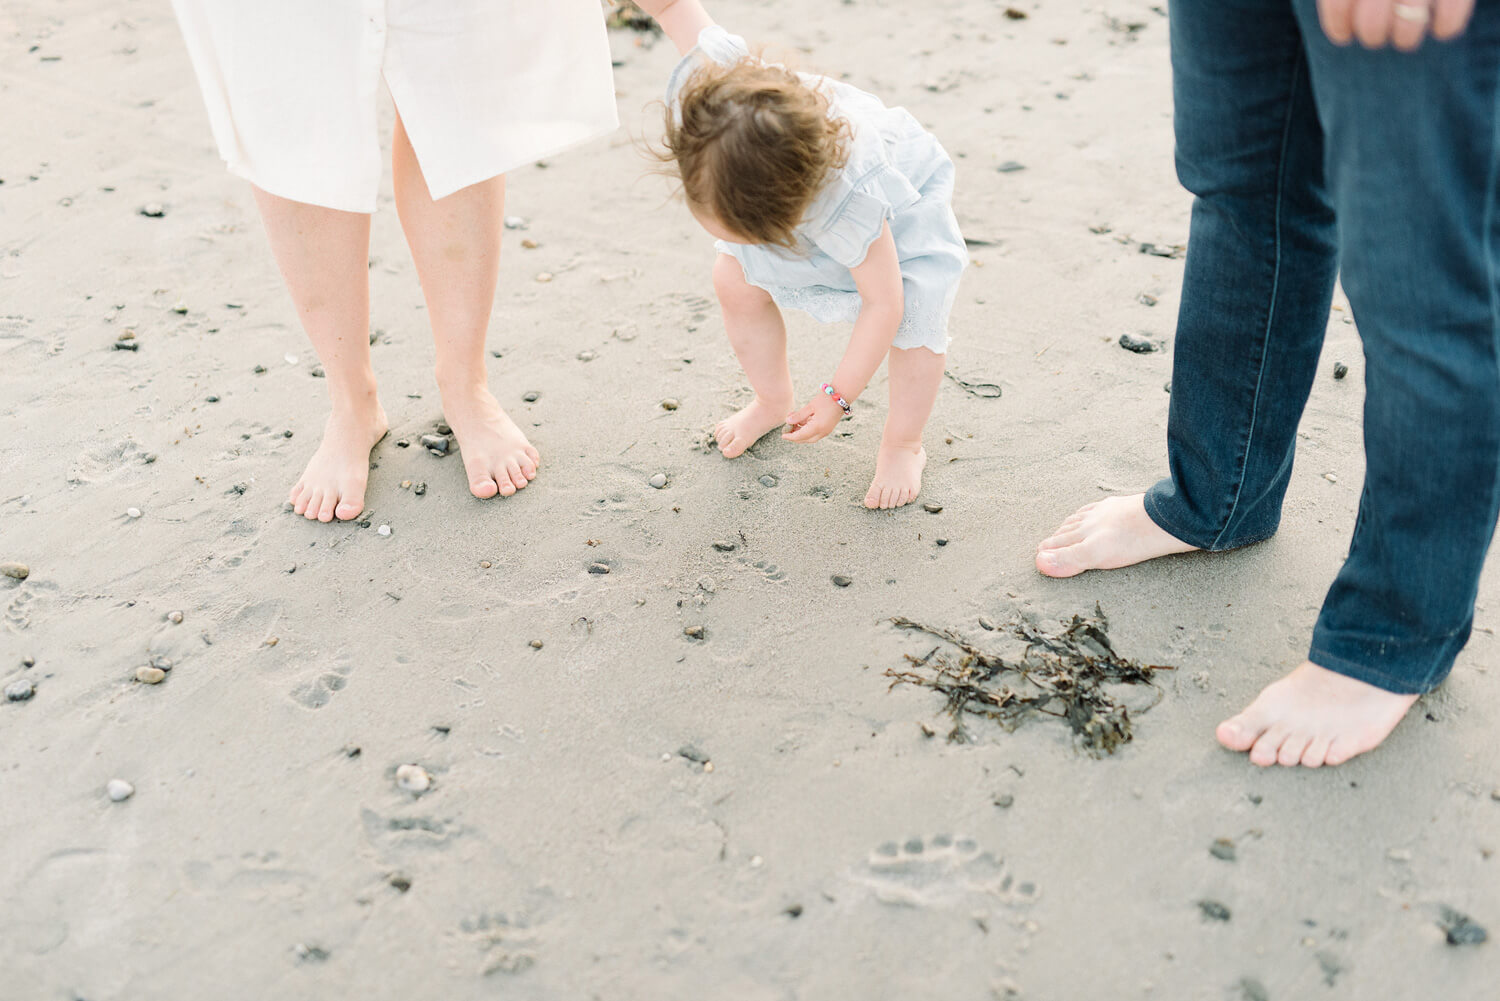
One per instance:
[(153, 210), (435, 443), (933, 508), (1005, 802), (1139, 345), (19, 691), (1459, 927), (127, 345), (419, 489), (259, 370), (1213, 910), (400, 881), (287, 433), (402, 443), (768, 480), (841, 580), (694, 755), (210, 399), (942, 542), (531, 396), (1010, 167), (1222, 848), (793, 911), (1340, 370), (725, 546), (598, 568)]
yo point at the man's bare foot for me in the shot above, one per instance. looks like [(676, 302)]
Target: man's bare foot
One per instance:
[(737, 433), (1106, 535), (497, 456), (333, 484), (898, 476), (1314, 717)]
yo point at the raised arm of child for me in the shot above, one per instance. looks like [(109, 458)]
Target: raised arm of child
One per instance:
[(682, 20), (882, 304)]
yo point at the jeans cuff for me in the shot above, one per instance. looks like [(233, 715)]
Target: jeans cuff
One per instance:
[(1323, 656)]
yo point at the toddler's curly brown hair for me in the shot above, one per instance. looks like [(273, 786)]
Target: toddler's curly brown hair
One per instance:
[(753, 146)]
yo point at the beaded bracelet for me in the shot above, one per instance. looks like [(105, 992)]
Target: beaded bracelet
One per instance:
[(843, 403)]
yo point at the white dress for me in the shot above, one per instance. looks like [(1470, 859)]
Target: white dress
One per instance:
[(896, 172), (482, 86)]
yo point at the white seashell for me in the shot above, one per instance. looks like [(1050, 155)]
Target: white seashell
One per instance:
[(119, 790), (413, 778)]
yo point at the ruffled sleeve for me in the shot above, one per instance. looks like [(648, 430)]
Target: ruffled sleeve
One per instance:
[(851, 211), (714, 44)]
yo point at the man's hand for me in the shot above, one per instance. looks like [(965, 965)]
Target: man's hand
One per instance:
[(1402, 23), (815, 420)]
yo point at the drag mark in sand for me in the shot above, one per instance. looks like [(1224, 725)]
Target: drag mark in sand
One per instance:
[(1060, 674)]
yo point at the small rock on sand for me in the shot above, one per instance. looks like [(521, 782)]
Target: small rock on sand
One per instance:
[(413, 778), (132, 512), (659, 481), (1213, 910), (586, 355), (435, 443), (670, 404), (148, 675), (1461, 929), (19, 571), (725, 546), (531, 396), (986, 623), (19, 691), (1139, 345), (931, 508), (536, 644), (1222, 848), (768, 480), (841, 581), (119, 790), (383, 530), (153, 210), (692, 754), (694, 632), (174, 617), (1340, 370)]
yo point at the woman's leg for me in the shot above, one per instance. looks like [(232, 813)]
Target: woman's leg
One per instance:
[(324, 257), (915, 377), (1255, 295), (758, 336), (456, 245)]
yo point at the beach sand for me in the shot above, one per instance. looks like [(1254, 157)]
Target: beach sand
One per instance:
[(569, 846)]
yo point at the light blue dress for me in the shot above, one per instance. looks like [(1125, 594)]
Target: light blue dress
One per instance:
[(896, 172)]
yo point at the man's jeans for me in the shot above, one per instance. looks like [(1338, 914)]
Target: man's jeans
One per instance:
[(1301, 152)]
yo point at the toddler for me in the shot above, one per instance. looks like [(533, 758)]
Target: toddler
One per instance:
[(822, 199)]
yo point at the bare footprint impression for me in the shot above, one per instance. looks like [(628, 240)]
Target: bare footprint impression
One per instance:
[(939, 871)]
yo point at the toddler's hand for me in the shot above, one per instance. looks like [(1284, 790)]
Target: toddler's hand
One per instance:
[(815, 420)]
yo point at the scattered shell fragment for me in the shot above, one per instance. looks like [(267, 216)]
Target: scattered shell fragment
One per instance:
[(1331, 477), (19, 571), (148, 675), (413, 778), (659, 481), (174, 617), (119, 790)]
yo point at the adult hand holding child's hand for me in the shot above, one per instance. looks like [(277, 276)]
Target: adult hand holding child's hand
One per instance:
[(815, 420), (1402, 23)]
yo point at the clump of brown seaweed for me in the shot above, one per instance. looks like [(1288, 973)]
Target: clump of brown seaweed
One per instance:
[(1060, 674)]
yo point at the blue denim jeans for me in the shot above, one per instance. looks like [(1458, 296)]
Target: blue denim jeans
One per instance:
[(1305, 157)]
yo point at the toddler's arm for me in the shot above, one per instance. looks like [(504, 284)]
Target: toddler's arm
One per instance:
[(682, 20), (882, 305)]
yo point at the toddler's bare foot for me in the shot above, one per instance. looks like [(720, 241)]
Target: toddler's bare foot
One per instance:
[(497, 456), (1106, 535), (737, 433), (898, 476), (333, 484), (1314, 717)]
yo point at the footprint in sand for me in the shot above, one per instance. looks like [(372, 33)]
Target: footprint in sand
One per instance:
[(765, 568), (18, 609), (318, 687), (508, 941), (939, 871)]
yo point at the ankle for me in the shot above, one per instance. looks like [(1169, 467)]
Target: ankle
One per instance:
[(778, 401), (901, 443), (463, 383), (357, 396)]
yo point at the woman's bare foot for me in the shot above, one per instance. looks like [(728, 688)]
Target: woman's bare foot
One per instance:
[(750, 425), (497, 456), (898, 476), (1106, 535), (333, 484), (1314, 717)]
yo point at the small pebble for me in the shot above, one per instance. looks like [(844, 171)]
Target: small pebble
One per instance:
[(19, 571), (1146, 299), (531, 396), (692, 754), (1331, 477), (1005, 802), (932, 508), (985, 623), (694, 632), (211, 399), (514, 222), (1399, 855), (259, 370), (132, 512), (119, 790), (383, 530), (768, 480), (1010, 167), (599, 568), (153, 210), (180, 308), (1494, 793), (842, 581), (485, 564), (1462, 929), (669, 404), (587, 355), (544, 276), (1213, 910), (19, 691), (725, 546), (536, 644), (435, 443), (146, 674), (659, 481), (413, 778), (941, 542), (175, 618), (1340, 370), (31, 662), (399, 881), (420, 488), (1222, 848), (756, 861), (530, 244), (1139, 345)]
